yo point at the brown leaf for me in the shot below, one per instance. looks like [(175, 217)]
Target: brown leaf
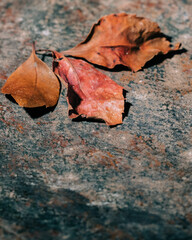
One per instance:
[(90, 92), (33, 84), (122, 39)]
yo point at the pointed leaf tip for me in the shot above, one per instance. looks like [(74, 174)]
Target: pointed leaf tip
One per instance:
[(33, 84)]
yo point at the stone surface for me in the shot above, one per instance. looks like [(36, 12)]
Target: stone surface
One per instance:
[(63, 179)]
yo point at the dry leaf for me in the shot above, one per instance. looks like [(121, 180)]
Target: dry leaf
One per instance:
[(33, 84), (122, 39), (90, 93)]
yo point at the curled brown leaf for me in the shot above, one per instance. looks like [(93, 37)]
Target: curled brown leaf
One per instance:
[(122, 39)]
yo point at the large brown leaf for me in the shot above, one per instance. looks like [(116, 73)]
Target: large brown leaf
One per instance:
[(33, 84), (90, 93), (122, 39)]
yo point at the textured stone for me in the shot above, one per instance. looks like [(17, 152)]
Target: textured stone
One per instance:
[(64, 179)]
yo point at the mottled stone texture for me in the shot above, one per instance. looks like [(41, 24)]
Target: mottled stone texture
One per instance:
[(63, 179)]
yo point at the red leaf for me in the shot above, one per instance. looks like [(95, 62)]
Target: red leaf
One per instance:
[(90, 93), (122, 39)]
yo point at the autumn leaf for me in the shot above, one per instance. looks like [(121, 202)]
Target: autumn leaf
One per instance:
[(91, 93), (122, 39), (33, 84)]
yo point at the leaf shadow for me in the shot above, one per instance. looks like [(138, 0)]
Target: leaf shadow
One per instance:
[(39, 111), (84, 119), (158, 59), (127, 105), (10, 98)]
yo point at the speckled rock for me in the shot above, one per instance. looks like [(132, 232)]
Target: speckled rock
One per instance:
[(63, 179)]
